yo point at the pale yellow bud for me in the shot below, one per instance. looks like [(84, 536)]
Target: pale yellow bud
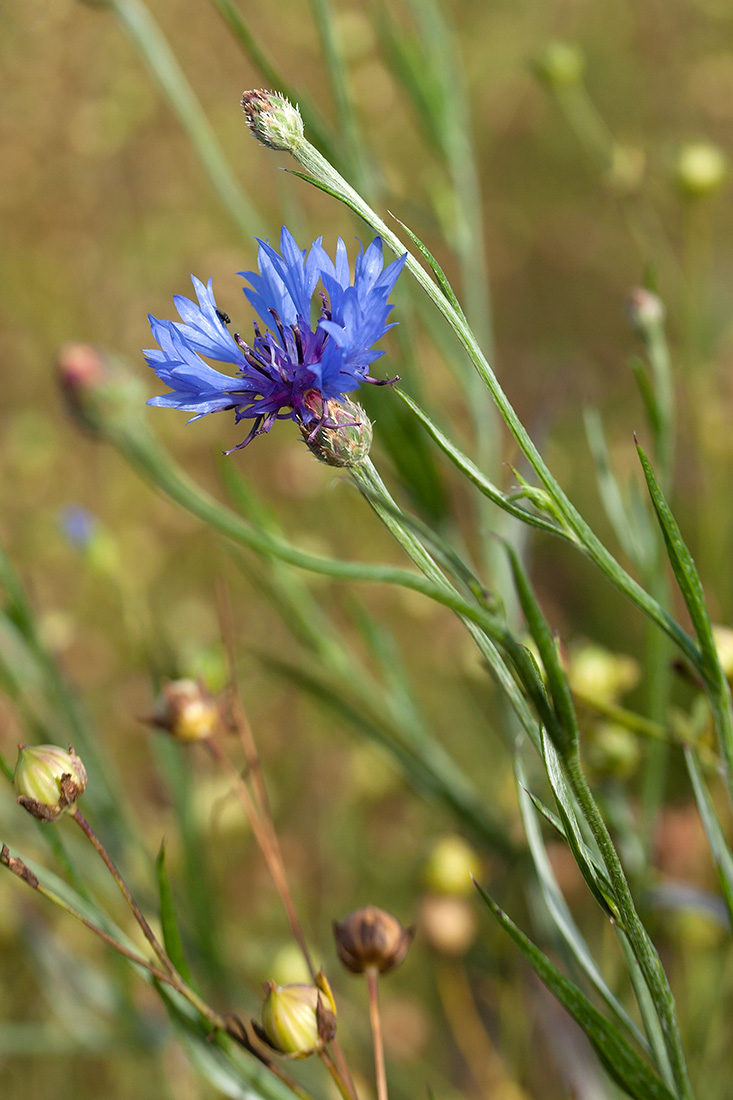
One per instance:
[(298, 1019), (48, 780)]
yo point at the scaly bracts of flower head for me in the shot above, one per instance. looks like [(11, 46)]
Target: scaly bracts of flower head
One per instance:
[(294, 367)]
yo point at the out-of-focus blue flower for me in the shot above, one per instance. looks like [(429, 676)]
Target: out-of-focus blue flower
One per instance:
[(77, 524), (294, 368)]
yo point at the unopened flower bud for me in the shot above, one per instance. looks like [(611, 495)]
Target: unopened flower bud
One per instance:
[(187, 710), (48, 780), (299, 1019), (451, 866), (95, 389), (371, 938), (344, 436), (701, 169), (645, 311), (561, 65), (273, 119)]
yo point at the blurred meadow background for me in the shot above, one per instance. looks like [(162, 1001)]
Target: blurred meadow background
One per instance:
[(552, 155)]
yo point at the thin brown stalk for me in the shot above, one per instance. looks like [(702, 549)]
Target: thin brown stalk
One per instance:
[(372, 978), (238, 1033), (134, 907), (346, 1089)]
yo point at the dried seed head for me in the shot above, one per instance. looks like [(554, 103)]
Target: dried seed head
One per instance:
[(273, 119), (48, 780), (371, 937), (345, 436), (299, 1019), (187, 710)]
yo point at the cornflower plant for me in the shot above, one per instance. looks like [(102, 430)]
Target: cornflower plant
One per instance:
[(303, 367)]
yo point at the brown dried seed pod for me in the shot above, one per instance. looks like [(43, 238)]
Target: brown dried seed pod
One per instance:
[(371, 937)]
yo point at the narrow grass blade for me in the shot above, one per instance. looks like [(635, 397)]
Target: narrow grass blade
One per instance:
[(472, 472), (564, 729), (154, 48), (721, 853), (683, 567), (590, 867), (622, 519), (619, 1058), (251, 44), (437, 270), (424, 762), (169, 924), (559, 911)]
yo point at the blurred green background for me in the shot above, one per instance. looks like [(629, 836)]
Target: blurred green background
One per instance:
[(105, 212)]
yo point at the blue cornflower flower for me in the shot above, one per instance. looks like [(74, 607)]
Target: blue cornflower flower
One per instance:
[(295, 368)]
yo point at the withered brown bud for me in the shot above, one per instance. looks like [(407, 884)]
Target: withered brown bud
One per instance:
[(371, 938)]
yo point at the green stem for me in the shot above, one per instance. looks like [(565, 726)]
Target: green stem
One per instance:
[(639, 939), (324, 173)]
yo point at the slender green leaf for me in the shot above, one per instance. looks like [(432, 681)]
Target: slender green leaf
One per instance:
[(435, 267), (620, 1059), (168, 921), (621, 519), (558, 908), (682, 564), (591, 868), (472, 472), (564, 728), (721, 853)]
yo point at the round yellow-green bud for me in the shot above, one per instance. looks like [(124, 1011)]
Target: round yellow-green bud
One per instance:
[(561, 65), (187, 710), (48, 780), (596, 675), (723, 638), (273, 119), (299, 1019), (451, 866), (371, 938), (612, 751), (701, 169), (346, 436)]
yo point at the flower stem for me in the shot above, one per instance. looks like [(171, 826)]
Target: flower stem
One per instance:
[(346, 1092), (372, 978)]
